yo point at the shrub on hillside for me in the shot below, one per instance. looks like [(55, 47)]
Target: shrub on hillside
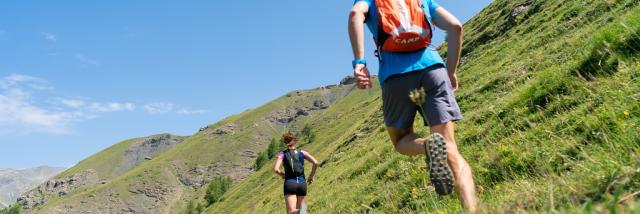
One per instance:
[(191, 209), (274, 147), (261, 160), (14, 209), (307, 134), (216, 188)]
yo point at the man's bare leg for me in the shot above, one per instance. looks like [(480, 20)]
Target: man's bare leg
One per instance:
[(459, 166), (406, 142)]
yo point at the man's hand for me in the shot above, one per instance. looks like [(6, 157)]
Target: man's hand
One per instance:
[(454, 80), (361, 73)]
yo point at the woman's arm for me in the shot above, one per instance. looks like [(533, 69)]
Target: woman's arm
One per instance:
[(449, 23), (313, 160), (276, 167)]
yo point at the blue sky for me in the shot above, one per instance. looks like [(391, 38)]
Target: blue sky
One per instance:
[(78, 76)]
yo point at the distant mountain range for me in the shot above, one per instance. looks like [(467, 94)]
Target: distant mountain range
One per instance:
[(13, 182)]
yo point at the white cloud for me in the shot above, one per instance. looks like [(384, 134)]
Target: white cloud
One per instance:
[(166, 108), (23, 112), (192, 111), (111, 107), (18, 114), (71, 103), (85, 61), (50, 36), (94, 107), (19, 81), (158, 108)]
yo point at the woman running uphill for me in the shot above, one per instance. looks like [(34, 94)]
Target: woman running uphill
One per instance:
[(295, 188), (402, 31)]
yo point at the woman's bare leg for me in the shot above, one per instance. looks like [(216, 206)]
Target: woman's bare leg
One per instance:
[(290, 201), (299, 202)]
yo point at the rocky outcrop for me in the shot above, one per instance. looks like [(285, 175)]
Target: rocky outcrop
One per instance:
[(520, 9), (319, 104), (348, 80), (325, 97), (283, 117), (141, 198), (145, 149), (227, 129), (57, 188)]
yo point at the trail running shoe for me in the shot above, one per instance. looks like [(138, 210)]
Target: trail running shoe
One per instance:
[(439, 170)]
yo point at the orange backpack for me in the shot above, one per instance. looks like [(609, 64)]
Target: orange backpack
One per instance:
[(403, 26)]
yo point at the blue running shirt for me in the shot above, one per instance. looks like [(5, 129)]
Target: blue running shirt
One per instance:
[(399, 63)]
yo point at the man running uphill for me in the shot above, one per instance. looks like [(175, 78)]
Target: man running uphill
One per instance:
[(295, 188), (402, 32)]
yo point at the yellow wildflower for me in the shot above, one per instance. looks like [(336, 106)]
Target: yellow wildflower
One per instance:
[(388, 174), (417, 96), (414, 192)]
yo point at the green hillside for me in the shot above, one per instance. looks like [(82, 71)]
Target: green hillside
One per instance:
[(103, 162), (164, 181), (550, 95)]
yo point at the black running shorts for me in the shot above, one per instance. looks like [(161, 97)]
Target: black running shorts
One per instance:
[(293, 188)]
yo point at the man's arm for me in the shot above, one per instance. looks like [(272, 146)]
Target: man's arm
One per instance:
[(356, 28), (449, 23), (356, 35)]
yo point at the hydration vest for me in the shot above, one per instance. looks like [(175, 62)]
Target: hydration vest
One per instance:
[(293, 162), (403, 25)]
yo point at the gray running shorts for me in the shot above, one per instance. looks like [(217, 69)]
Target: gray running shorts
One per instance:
[(440, 102)]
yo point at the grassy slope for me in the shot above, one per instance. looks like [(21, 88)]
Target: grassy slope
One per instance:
[(551, 105), (333, 127), (104, 162), (201, 149)]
